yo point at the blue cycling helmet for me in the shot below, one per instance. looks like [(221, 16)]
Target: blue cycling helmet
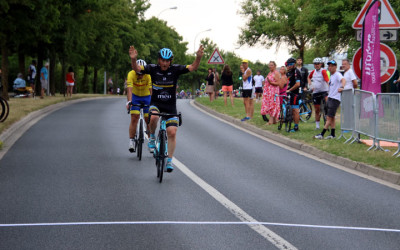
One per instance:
[(166, 54)]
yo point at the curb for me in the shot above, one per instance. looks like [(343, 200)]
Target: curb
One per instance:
[(369, 170), (13, 133)]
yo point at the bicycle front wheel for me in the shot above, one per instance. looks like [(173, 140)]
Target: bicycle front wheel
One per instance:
[(161, 155), (140, 141), (305, 111), (4, 109), (288, 118)]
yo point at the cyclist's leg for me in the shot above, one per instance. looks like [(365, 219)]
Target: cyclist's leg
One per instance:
[(172, 128)]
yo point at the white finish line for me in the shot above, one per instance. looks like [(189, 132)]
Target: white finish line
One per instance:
[(231, 223)]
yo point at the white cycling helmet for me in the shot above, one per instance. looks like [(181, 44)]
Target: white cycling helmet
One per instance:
[(318, 60), (141, 62)]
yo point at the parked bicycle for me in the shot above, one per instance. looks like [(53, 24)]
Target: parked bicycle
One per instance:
[(305, 104), (141, 130), (161, 151), (4, 109), (286, 113)]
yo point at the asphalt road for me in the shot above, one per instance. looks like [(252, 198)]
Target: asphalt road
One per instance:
[(70, 183)]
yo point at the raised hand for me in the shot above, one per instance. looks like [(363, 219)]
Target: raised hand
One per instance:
[(133, 52)]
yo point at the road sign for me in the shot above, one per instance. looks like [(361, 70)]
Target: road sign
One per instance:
[(388, 63), (385, 35), (388, 18), (216, 58)]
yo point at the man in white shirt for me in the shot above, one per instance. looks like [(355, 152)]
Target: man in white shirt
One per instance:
[(336, 86), (259, 80), (351, 79)]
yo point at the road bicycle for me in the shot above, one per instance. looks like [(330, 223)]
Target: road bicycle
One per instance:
[(4, 109), (286, 113), (141, 130), (324, 110), (161, 150), (305, 106)]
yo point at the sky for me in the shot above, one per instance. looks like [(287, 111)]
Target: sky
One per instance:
[(192, 17)]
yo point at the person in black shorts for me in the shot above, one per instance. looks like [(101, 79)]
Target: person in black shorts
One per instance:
[(294, 77), (164, 77)]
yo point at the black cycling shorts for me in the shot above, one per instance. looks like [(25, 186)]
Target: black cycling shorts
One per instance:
[(247, 93), (159, 108), (294, 99), (317, 97)]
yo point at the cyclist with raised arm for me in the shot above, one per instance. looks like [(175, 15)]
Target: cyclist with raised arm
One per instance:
[(139, 92), (320, 87), (164, 76)]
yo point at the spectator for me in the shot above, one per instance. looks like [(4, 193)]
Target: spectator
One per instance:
[(70, 81), (336, 86), (303, 72), (320, 87), (19, 82), (259, 80), (396, 82), (110, 86), (351, 79), (210, 90), (216, 82), (294, 78), (247, 90), (44, 75), (32, 76), (227, 84), (270, 104)]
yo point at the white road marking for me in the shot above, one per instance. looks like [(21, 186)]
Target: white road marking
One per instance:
[(272, 237), (326, 162), (228, 223)]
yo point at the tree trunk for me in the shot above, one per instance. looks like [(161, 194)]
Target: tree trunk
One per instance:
[(85, 87), (63, 73), (21, 62), (52, 71), (4, 68), (95, 78)]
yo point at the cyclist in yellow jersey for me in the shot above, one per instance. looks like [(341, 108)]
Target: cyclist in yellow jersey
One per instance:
[(139, 89)]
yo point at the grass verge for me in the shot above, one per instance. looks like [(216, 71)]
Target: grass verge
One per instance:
[(356, 151), (20, 107)]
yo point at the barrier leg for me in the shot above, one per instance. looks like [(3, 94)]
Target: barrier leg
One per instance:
[(398, 151), (378, 146)]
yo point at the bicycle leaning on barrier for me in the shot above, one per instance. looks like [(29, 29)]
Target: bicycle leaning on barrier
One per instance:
[(160, 152), (286, 113)]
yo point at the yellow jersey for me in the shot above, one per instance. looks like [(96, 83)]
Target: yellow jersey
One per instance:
[(140, 87)]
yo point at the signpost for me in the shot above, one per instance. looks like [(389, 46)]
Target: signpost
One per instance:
[(388, 63), (216, 58)]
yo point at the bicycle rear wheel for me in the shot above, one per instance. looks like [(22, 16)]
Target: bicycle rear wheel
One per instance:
[(281, 119), (4, 109), (140, 140), (305, 111), (288, 118)]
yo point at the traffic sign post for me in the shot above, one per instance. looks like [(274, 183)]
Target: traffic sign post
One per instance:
[(385, 35), (388, 63), (216, 58)]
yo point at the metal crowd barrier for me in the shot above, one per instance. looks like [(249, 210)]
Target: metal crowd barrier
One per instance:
[(388, 119), (347, 114), (364, 115)]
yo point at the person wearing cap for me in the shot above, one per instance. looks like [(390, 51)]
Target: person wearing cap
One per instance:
[(139, 89), (247, 90), (294, 78), (44, 75), (164, 77), (336, 85)]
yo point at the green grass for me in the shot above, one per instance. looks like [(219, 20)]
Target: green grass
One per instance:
[(356, 152)]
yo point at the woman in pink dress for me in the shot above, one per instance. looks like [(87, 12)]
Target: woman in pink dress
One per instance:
[(271, 105)]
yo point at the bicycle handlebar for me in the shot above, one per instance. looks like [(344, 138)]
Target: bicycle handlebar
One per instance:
[(284, 96), (141, 105)]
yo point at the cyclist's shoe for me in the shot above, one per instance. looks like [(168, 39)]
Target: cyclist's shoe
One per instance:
[(245, 119), (293, 130), (265, 118), (169, 167), (319, 136), (152, 144), (132, 146), (330, 137)]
